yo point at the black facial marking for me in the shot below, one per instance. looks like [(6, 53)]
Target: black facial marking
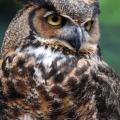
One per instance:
[(31, 16), (31, 35)]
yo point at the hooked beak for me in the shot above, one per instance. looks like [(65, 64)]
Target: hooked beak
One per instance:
[(76, 38), (73, 36)]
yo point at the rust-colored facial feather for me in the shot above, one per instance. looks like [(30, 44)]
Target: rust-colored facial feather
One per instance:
[(41, 26)]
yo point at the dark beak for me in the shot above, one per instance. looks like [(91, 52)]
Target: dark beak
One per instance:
[(76, 38), (73, 36)]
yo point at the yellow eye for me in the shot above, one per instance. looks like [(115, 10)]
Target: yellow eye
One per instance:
[(88, 25), (54, 20)]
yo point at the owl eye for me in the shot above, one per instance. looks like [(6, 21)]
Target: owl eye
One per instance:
[(88, 25), (55, 20)]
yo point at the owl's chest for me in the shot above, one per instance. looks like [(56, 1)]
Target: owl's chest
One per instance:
[(45, 82), (50, 63)]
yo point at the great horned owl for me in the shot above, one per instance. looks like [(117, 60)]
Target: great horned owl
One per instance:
[(52, 67)]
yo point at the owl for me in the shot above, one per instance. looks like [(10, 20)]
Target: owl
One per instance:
[(51, 64)]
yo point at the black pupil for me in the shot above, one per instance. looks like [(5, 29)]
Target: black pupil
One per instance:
[(55, 18)]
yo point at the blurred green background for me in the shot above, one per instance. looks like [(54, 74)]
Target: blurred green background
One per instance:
[(109, 23)]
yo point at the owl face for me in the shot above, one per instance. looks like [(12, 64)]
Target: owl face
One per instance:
[(67, 23), (74, 25)]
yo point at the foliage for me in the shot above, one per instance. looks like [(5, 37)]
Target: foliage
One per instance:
[(110, 12)]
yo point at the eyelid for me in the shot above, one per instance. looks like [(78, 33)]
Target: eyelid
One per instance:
[(49, 13), (87, 20)]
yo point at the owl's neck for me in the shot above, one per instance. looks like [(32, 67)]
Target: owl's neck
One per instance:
[(48, 55)]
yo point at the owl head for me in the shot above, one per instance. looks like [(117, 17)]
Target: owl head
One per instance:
[(71, 24)]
